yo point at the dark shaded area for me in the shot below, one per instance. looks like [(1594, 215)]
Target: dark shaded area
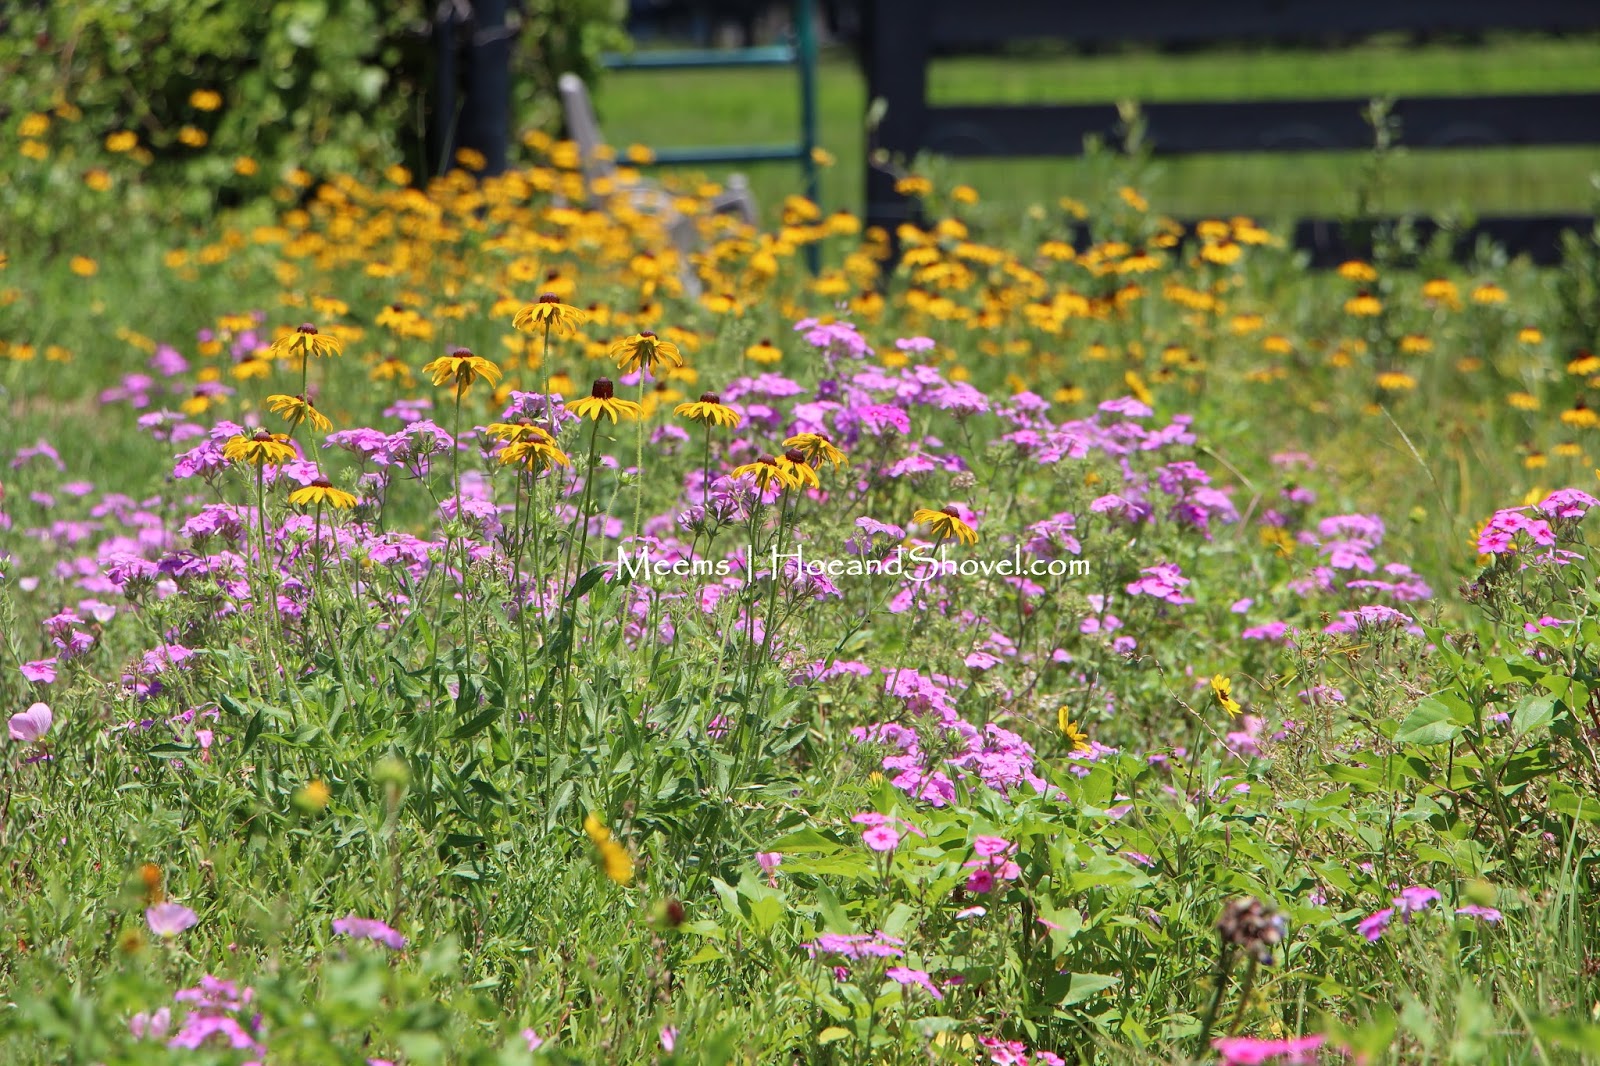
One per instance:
[(472, 82)]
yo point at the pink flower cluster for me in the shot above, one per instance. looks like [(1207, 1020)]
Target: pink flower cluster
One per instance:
[(217, 1018), (994, 864), (884, 831)]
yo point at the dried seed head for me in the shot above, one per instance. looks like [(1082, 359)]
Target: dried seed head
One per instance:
[(1248, 923)]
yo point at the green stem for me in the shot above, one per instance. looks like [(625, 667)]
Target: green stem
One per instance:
[(1245, 988), (1224, 966)]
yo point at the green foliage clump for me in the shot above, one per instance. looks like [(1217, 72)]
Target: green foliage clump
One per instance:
[(222, 98)]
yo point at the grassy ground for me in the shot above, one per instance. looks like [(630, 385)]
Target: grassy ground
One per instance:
[(762, 106)]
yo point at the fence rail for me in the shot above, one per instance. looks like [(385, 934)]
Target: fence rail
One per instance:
[(903, 36)]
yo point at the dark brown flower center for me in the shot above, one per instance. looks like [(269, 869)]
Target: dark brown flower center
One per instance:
[(322, 483), (602, 389), (795, 455), (461, 353), (647, 333), (308, 328), (550, 297), (952, 512), (710, 397), (262, 436)]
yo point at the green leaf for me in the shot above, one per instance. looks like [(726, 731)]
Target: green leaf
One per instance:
[(832, 1034), (478, 724), (1085, 985), (1532, 712), (252, 732), (1432, 722), (1569, 1033), (588, 581)]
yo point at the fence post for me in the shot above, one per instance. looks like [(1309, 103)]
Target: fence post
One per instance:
[(898, 47), (486, 75), (805, 31)]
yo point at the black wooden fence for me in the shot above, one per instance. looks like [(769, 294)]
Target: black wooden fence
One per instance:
[(902, 36)]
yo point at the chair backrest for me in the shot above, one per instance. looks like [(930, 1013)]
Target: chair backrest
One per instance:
[(583, 127)]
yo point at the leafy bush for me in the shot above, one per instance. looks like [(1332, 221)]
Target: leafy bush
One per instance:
[(223, 98)]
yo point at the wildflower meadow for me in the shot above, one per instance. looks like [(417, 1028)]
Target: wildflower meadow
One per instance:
[(461, 622)]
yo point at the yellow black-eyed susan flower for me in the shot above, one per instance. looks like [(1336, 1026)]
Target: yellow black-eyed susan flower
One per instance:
[(946, 523), (306, 342), (764, 351), (614, 858), (321, 493), (644, 350), (252, 366), (549, 314), (259, 450), (298, 409), (393, 368), (1580, 416), (1222, 689), (1441, 291), (1584, 364), (817, 449), (463, 368), (710, 410), (538, 452), (1071, 732), (794, 464), (766, 473), (520, 430), (603, 402), (1363, 305)]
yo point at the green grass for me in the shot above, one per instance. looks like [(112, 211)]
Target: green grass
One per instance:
[(762, 106)]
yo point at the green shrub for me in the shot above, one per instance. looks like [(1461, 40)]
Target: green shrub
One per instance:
[(226, 97)]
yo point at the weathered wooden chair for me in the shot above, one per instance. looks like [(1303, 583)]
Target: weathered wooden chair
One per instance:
[(643, 194)]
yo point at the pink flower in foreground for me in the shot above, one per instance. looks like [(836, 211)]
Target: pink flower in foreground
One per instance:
[(1373, 925), (29, 725), (669, 1038), (170, 919), (533, 1039), (1252, 1051), (1415, 899), (881, 838), (769, 861), (990, 846), (369, 929), (1486, 914), (904, 975), (154, 1026)]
